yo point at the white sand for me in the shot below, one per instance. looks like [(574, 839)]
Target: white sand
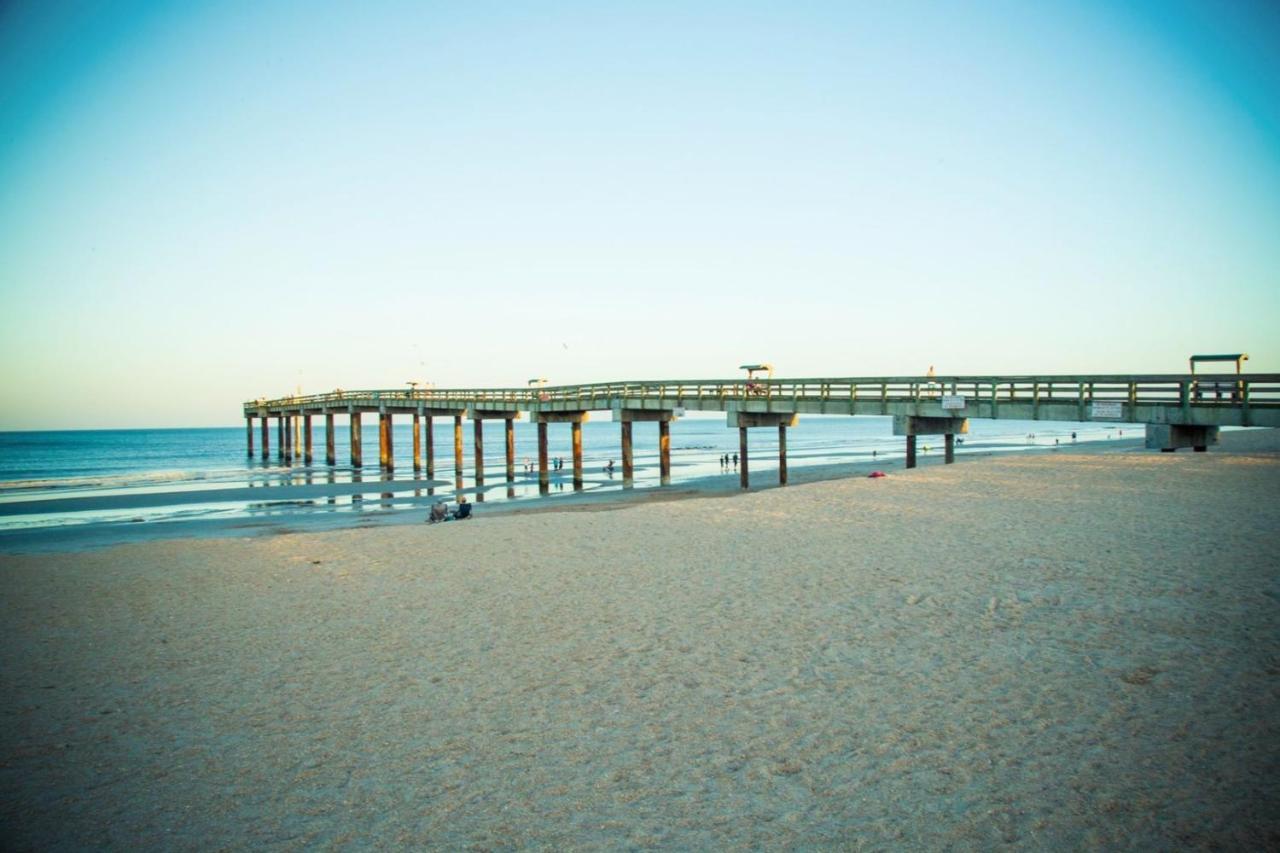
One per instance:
[(1060, 650)]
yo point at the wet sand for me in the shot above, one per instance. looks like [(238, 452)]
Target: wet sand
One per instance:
[(1074, 649)]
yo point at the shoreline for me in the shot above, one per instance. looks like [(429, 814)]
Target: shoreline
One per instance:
[(105, 534)]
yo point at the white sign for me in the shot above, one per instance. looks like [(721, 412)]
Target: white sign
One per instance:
[(1108, 409), (678, 411), (953, 401)]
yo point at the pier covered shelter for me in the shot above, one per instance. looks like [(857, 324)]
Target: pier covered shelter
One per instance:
[(1179, 410)]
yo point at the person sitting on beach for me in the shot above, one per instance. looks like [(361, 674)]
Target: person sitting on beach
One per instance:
[(439, 512), (609, 468), (463, 510)]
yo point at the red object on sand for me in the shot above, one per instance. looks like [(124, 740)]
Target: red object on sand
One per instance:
[(874, 474)]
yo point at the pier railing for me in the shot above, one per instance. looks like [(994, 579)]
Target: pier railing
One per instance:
[(1260, 391)]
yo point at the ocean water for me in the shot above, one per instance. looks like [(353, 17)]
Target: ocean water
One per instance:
[(56, 479)]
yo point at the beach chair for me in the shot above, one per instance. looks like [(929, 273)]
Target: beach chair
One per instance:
[(439, 512)]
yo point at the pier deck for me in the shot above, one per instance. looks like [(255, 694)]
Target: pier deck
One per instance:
[(1180, 410)]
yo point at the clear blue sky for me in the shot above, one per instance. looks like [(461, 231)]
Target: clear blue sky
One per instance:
[(202, 202)]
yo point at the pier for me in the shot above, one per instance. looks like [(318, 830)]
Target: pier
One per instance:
[(1179, 411)]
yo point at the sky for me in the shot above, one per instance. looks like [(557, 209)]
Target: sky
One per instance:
[(202, 203)]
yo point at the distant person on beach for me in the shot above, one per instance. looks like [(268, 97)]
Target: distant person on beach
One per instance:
[(1073, 436), (609, 468), (464, 508), (735, 460), (439, 512)]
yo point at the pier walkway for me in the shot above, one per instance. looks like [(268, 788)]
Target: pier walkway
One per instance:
[(1181, 410)]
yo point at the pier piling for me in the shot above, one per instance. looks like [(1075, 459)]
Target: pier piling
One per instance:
[(782, 454), (477, 430), (949, 448), (664, 452), (330, 457), (457, 451), (911, 451), (628, 467), (280, 437), (417, 442), (744, 479), (577, 455), (544, 477), (288, 439), (431, 447), (266, 438), (357, 459), (511, 448), (306, 438), (248, 421)]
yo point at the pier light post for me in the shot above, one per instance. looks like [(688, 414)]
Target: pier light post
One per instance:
[(266, 437), (357, 458), (330, 457), (306, 438), (417, 442)]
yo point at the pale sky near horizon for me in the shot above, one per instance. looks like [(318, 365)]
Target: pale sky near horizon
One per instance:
[(202, 203)]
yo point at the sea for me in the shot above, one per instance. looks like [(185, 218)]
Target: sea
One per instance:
[(192, 481)]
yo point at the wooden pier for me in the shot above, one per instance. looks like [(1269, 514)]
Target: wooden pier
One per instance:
[(1178, 411)]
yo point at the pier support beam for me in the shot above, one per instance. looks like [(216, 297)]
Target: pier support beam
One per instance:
[(457, 451), (664, 417), (288, 438), (357, 459), (544, 477), (1170, 437), (330, 455), (386, 454), (280, 437), (746, 420), (417, 442), (266, 438), (782, 454), (306, 438), (912, 425), (477, 431), (577, 455), (628, 467), (248, 423), (664, 453), (576, 419), (431, 447), (510, 429), (295, 421)]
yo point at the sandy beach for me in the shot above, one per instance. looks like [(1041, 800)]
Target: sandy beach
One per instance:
[(1053, 650)]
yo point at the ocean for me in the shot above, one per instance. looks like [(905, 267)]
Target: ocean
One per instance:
[(58, 480)]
